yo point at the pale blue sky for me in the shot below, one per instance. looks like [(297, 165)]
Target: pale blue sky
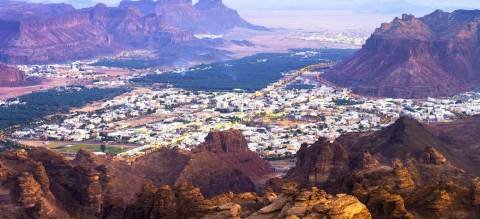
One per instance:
[(379, 5), (327, 14)]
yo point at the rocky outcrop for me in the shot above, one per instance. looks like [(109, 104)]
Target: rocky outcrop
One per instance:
[(231, 146), (312, 203), (43, 184), (404, 181), (30, 196), (222, 163), (3, 173), (402, 171), (11, 76), (411, 57), (434, 157)]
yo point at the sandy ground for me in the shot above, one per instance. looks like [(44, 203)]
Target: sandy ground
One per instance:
[(11, 92)]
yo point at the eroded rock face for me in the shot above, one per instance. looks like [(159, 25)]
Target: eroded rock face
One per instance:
[(416, 57), (399, 172), (30, 195), (167, 183), (476, 192), (404, 180), (11, 76), (3, 173), (434, 157), (313, 203), (231, 146)]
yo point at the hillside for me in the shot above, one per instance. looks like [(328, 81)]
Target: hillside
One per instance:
[(402, 171), (436, 55)]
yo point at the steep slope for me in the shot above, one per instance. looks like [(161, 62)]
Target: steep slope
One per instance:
[(231, 146), (40, 184), (218, 17), (436, 55), (45, 33), (402, 171), (204, 170)]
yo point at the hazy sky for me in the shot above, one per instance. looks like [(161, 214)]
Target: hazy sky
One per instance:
[(329, 14), (380, 5)]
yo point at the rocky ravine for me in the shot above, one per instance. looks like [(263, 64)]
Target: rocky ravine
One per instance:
[(436, 55)]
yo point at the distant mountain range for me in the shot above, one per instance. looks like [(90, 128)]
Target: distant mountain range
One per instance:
[(46, 33), (436, 55)]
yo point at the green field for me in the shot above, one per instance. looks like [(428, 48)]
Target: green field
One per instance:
[(93, 148)]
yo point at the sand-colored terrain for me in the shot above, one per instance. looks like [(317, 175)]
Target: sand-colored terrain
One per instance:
[(12, 92)]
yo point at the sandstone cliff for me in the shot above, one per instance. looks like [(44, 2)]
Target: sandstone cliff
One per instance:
[(38, 183), (436, 55), (11, 76), (402, 171)]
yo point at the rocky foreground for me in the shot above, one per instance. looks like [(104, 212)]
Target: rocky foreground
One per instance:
[(433, 56), (214, 181), (407, 170), (403, 171)]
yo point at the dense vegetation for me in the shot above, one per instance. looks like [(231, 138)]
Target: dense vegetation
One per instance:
[(93, 148), (249, 73), (40, 104)]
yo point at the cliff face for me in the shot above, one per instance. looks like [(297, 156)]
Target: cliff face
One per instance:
[(436, 55), (10, 76), (231, 147), (45, 33), (185, 201), (402, 171)]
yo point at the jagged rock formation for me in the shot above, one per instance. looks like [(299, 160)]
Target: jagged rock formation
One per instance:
[(231, 146), (402, 171), (436, 55), (314, 203), (186, 201), (39, 183), (10, 76), (45, 33)]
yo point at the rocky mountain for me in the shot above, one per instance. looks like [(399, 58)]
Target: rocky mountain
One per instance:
[(11, 76), (231, 146), (436, 55), (42, 184), (39, 183), (45, 33), (406, 170)]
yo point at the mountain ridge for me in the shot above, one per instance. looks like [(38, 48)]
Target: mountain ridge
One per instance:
[(46, 33), (432, 56)]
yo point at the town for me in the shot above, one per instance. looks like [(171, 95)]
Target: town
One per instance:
[(276, 120)]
